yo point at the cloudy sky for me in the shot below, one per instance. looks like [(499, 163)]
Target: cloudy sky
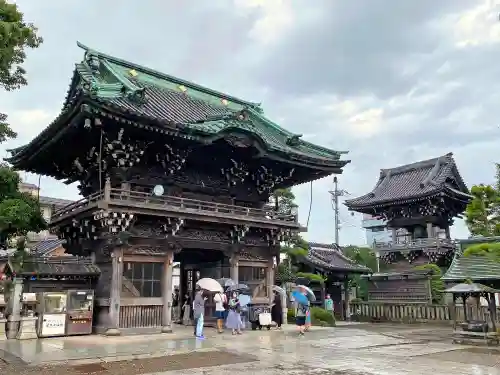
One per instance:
[(390, 81)]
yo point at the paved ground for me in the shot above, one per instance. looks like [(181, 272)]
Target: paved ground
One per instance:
[(362, 349)]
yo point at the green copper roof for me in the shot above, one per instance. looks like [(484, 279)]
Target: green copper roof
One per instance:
[(473, 267), (147, 98), (118, 82)]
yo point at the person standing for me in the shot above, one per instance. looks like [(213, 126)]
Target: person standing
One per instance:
[(220, 300), (277, 311), (175, 305), (301, 315), (329, 304), (233, 321), (198, 310)]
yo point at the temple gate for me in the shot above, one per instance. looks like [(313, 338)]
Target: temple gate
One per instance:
[(170, 172)]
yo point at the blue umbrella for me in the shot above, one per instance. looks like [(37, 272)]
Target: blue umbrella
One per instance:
[(300, 298), (244, 299), (310, 293)]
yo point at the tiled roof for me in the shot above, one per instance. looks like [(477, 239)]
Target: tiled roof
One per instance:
[(475, 268), (44, 247), (63, 267), (331, 258), (472, 267), (414, 181), (58, 202), (181, 106)]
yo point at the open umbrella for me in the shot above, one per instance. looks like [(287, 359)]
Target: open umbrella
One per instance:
[(279, 290), (299, 297), (226, 282), (238, 287), (310, 293), (244, 299), (209, 284)]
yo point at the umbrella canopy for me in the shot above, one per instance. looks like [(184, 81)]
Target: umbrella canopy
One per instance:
[(238, 287), (310, 293), (211, 285), (244, 299), (299, 297), (279, 290), (226, 282)]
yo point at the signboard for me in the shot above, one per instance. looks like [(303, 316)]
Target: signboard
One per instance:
[(53, 324)]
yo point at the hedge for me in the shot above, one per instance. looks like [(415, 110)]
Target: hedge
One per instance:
[(319, 317)]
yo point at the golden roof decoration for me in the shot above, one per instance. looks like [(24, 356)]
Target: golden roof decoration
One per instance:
[(132, 72), (182, 88)]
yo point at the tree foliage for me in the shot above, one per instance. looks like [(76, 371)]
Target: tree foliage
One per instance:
[(283, 201), (437, 284), (482, 214), (490, 250), (16, 35), (364, 256), (19, 212)]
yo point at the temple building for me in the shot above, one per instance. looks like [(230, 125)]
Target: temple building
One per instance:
[(169, 171), (329, 261), (419, 202)]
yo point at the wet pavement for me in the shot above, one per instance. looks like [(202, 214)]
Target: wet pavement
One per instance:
[(362, 349)]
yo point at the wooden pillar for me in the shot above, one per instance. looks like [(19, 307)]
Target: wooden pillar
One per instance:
[(346, 298), (430, 230), (270, 279), (168, 266), (234, 263), (107, 190), (14, 307), (181, 292), (115, 292), (394, 235), (447, 232)]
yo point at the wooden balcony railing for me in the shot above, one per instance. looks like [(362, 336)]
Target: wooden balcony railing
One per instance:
[(415, 244), (147, 200)]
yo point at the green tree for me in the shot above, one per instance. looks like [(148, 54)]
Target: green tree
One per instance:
[(364, 256), (482, 214), (283, 200), (19, 212), (15, 36)]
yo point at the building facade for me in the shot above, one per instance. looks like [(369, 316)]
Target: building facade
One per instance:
[(170, 171), (419, 202)]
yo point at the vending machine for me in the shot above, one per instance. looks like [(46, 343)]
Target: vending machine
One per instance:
[(51, 314), (79, 312)]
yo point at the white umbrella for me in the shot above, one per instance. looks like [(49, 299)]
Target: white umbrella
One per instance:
[(211, 285), (279, 290)]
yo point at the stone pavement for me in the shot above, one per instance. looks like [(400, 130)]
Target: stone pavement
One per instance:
[(361, 349)]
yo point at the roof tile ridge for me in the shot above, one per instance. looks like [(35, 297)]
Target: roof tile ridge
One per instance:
[(168, 77), (289, 135)]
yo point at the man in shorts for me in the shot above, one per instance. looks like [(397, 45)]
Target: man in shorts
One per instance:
[(300, 317)]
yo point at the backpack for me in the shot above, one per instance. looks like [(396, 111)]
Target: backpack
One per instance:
[(225, 304)]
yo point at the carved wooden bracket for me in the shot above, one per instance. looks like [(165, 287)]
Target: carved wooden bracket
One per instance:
[(114, 222), (239, 232), (173, 225)]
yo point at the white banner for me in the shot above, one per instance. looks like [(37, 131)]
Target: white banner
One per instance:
[(53, 325)]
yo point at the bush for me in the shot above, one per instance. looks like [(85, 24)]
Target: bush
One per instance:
[(319, 317)]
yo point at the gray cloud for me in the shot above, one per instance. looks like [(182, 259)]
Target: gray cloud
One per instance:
[(383, 79)]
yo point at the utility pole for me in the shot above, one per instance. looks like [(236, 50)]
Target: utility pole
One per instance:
[(336, 193)]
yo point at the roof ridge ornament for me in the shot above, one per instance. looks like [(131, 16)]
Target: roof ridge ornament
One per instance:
[(293, 140)]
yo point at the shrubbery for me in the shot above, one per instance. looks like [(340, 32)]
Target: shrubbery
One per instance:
[(319, 317)]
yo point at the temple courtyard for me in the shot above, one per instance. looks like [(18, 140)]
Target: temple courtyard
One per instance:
[(349, 349)]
